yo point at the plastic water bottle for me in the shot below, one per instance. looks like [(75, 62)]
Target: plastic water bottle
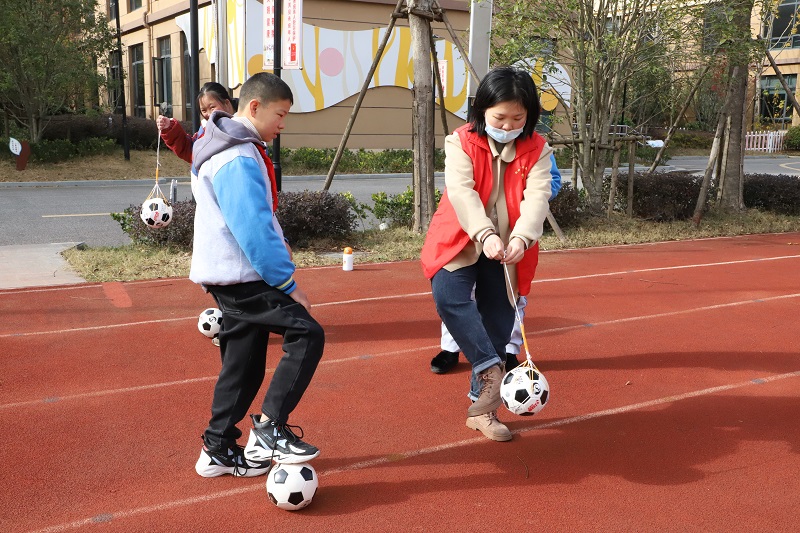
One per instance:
[(347, 259)]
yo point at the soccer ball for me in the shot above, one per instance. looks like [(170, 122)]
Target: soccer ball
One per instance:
[(156, 213), (524, 391), (291, 487), (209, 322)]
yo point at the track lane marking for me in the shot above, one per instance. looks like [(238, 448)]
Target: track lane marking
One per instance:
[(108, 392), (410, 295), (78, 215), (392, 458)]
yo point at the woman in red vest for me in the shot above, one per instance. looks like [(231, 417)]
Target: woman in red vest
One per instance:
[(491, 216)]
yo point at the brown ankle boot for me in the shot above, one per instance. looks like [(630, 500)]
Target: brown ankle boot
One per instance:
[(489, 399), (490, 426)]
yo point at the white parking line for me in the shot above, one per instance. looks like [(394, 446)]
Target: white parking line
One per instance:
[(175, 504)]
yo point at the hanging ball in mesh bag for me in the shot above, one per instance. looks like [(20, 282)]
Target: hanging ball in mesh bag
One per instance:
[(524, 390), (156, 213)]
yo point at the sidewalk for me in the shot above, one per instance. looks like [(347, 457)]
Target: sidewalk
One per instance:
[(35, 265)]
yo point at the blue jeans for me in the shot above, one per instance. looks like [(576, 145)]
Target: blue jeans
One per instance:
[(481, 327)]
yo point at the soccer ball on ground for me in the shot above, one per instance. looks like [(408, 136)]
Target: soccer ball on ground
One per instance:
[(292, 487), (524, 390), (156, 213), (209, 322)]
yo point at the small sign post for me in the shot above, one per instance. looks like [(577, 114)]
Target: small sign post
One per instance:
[(20, 149)]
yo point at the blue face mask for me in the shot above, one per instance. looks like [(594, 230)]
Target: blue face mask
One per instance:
[(502, 136)]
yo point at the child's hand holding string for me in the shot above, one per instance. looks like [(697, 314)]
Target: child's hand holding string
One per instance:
[(514, 251)]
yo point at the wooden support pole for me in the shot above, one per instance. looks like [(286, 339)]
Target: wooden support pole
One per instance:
[(378, 54)]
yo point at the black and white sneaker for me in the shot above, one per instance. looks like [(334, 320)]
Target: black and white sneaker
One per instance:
[(215, 462), (269, 440)]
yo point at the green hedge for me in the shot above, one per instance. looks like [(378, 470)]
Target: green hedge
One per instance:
[(776, 193), (304, 216)]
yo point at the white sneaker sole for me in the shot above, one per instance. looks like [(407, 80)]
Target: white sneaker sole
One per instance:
[(205, 469)]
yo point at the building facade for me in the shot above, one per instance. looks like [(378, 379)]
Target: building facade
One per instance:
[(340, 38)]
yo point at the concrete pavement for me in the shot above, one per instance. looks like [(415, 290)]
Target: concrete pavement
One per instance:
[(35, 265)]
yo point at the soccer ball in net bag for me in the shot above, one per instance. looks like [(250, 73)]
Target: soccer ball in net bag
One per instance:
[(524, 390), (156, 213)]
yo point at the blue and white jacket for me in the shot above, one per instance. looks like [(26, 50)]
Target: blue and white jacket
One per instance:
[(237, 238)]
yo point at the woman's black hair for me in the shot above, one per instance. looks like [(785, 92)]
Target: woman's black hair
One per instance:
[(505, 84), (216, 91)]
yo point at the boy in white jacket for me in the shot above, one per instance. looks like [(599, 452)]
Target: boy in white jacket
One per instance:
[(240, 257)]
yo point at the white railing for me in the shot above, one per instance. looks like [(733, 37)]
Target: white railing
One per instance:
[(764, 141)]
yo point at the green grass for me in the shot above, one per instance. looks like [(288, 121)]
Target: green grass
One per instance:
[(137, 262)]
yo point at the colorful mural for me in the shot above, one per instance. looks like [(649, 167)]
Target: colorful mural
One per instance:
[(336, 62)]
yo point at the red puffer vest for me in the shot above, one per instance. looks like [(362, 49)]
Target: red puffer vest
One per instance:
[(446, 238)]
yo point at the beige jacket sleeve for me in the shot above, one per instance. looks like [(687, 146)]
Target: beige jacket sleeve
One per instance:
[(460, 184), (535, 200)]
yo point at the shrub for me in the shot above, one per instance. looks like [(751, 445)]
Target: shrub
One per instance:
[(304, 216), (565, 207), (311, 215), (776, 193), (792, 139), (661, 197), (564, 157), (318, 161), (96, 146), (78, 127), (53, 151), (179, 232), (57, 150), (691, 140), (397, 210)]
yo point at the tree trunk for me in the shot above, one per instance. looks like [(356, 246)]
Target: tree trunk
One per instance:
[(714, 159), (423, 110), (631, 172), (731, 196), (612, 193)]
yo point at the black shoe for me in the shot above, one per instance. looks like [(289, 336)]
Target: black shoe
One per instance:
[(511, 361), (269, 440), (444, 362)]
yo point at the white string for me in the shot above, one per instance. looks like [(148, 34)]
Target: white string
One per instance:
[(158, 154), (511, 290), (519, 319)]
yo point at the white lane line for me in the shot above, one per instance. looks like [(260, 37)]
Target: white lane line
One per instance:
[(409, 295), (78, 215), (392, 458), (677, 267), (108, 392)]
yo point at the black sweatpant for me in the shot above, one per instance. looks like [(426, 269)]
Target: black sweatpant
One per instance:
[(250, 312)]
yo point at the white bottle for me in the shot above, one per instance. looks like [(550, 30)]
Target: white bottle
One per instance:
[(347, 259)]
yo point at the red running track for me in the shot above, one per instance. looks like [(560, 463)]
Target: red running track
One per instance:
[(674, 372)]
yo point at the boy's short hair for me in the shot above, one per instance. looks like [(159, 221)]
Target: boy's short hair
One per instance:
[(266, 88)]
